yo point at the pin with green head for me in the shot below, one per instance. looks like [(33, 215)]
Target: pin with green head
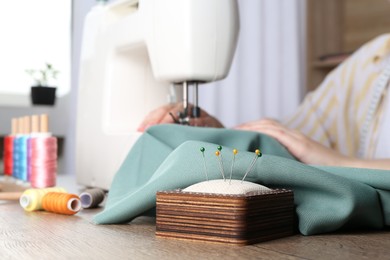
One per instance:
[(202, 150), (219, 156)]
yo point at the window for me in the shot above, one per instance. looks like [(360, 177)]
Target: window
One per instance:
[(34, 33)]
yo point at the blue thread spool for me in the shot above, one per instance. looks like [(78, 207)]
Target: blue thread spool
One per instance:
[(16, 156), (20, 153), (24, 149), (23, 162)]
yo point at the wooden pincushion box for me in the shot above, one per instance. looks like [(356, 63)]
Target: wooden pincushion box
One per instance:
[(233, 219)]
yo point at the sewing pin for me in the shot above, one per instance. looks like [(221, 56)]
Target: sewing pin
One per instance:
[(218, 154), (257, 155), (221, 160), (233, 160), (219, 148), (204, 162)]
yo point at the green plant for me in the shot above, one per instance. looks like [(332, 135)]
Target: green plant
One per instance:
[(43, 76)]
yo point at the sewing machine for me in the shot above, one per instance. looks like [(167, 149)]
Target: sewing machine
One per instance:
[(133, 51)]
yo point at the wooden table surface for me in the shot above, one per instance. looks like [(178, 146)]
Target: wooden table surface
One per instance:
[(43, 235)]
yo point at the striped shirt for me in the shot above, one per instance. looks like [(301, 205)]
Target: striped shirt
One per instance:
[(346, 112)]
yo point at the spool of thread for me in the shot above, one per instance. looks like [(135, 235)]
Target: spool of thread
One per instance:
[(43, 162), (31, 199), (91, 198), (17, 149), (23, 149), (34, 133), (43, 157), (62, 203), (8, 149), (8, 155)]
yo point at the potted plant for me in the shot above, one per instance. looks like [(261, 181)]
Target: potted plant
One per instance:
[(41, 92)]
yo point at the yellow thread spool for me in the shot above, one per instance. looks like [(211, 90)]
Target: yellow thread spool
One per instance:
[(31, 199)]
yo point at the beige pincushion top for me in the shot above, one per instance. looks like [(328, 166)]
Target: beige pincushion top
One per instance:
[(225, 187)]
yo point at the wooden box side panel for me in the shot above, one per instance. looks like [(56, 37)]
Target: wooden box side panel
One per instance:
[(233, 219)]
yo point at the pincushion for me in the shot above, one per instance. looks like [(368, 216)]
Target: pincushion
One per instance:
[(228, 187), (254, 215)]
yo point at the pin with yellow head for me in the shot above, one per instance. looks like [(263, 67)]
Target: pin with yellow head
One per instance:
[(235, 151), (252, 164)]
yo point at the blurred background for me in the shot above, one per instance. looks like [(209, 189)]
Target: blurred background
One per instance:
[(285, 49)]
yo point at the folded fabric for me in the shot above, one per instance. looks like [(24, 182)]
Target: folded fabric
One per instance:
[(167, 157)]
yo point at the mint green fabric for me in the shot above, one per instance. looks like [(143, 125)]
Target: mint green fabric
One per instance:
[(167, 157)]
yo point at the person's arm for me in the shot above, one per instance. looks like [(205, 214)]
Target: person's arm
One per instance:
[(382, 164), (308, 151), (163, 115)]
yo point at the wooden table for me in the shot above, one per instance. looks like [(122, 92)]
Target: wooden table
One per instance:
[(42, 235)]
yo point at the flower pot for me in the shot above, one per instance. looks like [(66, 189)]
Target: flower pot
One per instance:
[(43, 95)]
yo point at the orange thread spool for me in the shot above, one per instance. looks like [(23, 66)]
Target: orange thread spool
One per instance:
[(62, 203)]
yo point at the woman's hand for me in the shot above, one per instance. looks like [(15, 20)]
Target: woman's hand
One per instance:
[(163, 115), (303, 148)]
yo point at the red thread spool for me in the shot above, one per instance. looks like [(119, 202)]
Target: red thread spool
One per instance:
[(9, 148), (62, 203), (43, 161), (8, 155)]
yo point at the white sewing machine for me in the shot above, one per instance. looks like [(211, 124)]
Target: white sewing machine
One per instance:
[(132, 52)]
